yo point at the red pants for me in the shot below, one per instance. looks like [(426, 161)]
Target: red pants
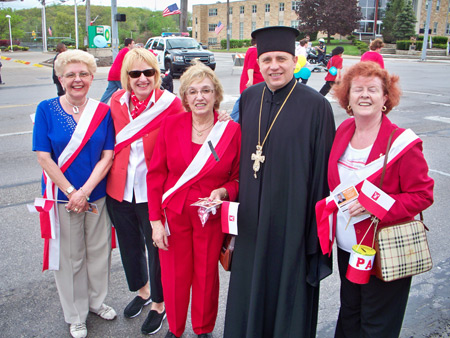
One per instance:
[(192, 260)]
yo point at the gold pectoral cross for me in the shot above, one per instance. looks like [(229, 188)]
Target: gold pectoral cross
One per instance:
[(258, 158)]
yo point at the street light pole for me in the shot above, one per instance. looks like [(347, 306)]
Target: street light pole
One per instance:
[(76, 24), (44, 28), (10, 35)]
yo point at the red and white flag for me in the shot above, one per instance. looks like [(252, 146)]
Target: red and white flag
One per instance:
[(375, 200), (41, 205), (219, 27), (229, 217)]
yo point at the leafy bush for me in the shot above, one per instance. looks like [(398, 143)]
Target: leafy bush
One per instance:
[(69, 42), (404, 44), (7, 42), (440, 40), (15, 48), (362, 46), (233, 43), (440, 45)]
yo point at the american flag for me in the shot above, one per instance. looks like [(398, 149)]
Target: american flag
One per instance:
[(50, 31), (171, 10), (219, 27)]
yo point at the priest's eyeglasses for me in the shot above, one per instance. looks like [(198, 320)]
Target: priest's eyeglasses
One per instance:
[(82, 75), (134, 74), (203, 92)]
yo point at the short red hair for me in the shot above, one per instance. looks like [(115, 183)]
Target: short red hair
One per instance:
[(391, 88)]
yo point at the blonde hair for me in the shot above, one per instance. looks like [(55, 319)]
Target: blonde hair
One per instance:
[(196, 73), (74, 56), (136, 55)]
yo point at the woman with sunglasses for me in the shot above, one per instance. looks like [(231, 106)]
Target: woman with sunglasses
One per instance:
[(74, 139), (196, 156), (137, 112)]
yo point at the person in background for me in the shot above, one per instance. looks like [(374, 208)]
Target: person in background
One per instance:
[(73, 137), (301, 51), (60, 48), (114, 83), (137, 112), (321, 50), (190, 254), (1, 82), (250, 75), (335, 61), (277, 263), (368, 93), (374, 54)]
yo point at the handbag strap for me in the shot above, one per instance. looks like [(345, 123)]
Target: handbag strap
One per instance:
[(385, 162)]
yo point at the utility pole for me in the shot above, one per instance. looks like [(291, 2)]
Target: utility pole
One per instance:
[(183, 15), (228, 24), (88, 21), (44, 29), (375, 23), (425, 36), (114, 30)]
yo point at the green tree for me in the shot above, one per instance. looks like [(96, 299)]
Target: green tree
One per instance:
[(393, 9), (16, 29), (404, 26)]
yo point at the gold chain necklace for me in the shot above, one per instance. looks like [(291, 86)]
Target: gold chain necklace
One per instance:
[(200, 132), (258, 157)]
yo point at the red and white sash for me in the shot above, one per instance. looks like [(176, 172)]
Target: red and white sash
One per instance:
[(326, 208), (145, 123), (220, 137), (92, 116)]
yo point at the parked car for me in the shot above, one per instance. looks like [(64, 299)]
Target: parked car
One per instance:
[(175, 53)]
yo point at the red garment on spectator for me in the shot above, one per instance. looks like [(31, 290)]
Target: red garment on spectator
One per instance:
[(335, 61), (250, 62), (114, 72), (373, 56)]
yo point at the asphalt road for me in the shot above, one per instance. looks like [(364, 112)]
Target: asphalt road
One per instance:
[(29, 304)]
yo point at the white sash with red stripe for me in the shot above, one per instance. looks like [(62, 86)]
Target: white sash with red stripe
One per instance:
[(127, 134), (83, 131), (326, 207), (201, 164)]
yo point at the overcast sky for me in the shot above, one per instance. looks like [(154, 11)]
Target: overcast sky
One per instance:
[(158, 5)]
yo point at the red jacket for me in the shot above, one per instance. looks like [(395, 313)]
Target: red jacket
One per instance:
[(173, 154), (114, 72), (118, 174), (406, 181)]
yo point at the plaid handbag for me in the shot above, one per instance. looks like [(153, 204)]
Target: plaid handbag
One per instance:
[(402, 249)]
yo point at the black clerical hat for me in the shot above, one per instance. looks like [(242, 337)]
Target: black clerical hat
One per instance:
[(275, 39)]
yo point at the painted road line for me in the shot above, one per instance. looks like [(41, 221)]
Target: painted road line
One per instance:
[(17, 133), (19, 105), (440, 104), (422, 93), (439, 172), (438, 118)]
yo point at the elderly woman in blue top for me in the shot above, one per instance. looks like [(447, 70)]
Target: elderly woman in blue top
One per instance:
[(74, 140)]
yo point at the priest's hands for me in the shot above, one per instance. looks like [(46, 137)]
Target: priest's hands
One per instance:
[(159, 235)]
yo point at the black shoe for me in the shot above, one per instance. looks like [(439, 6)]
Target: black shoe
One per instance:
[(153, 322), (205, 335), (135, 307), (170, 335)]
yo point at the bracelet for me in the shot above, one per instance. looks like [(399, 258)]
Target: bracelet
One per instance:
[(85, 195)]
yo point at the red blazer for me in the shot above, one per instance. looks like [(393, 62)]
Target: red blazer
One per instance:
[(173, 154), (406, 181), (117, 176)]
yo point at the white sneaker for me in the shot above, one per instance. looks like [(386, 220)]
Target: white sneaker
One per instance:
[(78, 330), (106, 312)]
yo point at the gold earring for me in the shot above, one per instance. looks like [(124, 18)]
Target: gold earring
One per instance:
[(349, 110), (383, 109)]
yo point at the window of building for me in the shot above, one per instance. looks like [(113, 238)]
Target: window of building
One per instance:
[(435, 28), (280, 23), (230, 11), (295, 5), (295, 24), (196, 21), (253, 25), (438, 5), (196, 35), (230, 27), (447, 30), (212, 41), (241, 9), (281, 6), (266, 24), (267, 8), (241, 31), (212, 27), (212, 12), (254, 8)]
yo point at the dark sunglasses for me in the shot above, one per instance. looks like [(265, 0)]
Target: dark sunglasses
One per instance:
[(137, 73)]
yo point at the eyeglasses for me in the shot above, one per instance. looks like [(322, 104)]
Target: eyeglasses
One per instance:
[(82, 75), (134, 74), (204, 92)]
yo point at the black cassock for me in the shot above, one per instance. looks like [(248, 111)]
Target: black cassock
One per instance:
[(277, 263)]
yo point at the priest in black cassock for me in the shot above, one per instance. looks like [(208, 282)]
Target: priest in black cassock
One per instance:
[(287, 133)]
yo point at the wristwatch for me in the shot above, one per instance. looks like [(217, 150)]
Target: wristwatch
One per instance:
[(69, 190)]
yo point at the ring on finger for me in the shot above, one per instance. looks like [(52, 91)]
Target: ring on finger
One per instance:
[(76, 209), (155, 245)]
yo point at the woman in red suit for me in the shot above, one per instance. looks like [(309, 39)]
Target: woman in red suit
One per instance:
[(368, 93), (137, 112), (195, 157)]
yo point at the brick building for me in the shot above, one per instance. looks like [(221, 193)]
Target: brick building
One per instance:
[(246, 16)]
